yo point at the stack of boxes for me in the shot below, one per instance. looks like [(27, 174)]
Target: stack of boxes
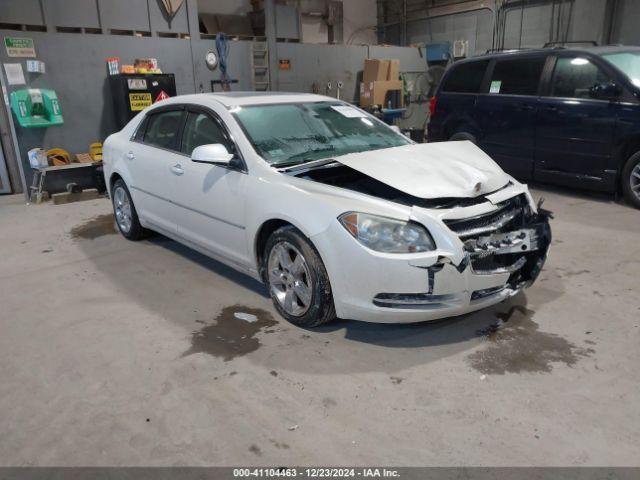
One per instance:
[(379, 78)]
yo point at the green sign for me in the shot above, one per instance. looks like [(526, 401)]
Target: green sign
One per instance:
[(19, 47)]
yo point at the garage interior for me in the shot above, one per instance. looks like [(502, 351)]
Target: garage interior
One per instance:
[(118, 353)]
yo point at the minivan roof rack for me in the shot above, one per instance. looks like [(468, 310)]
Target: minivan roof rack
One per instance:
[(570, 42), (505, 50)]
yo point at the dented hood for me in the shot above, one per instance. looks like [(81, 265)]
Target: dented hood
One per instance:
[(431, 170)]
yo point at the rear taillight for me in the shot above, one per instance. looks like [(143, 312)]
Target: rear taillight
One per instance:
[(432, 106)]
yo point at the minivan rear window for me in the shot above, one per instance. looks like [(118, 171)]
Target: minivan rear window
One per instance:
[(466, 78), (517, 76)]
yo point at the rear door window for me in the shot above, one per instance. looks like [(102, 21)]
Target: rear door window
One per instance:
[(163, 129), (466, 78), (519, 76), (573, 77)]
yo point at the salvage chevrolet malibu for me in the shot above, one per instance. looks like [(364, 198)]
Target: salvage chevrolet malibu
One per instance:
[(337, 213)]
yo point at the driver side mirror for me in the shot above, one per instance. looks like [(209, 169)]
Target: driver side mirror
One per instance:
[(605, 91), (215, 153)]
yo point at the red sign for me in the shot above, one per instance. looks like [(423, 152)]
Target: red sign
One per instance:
[(161, 96)]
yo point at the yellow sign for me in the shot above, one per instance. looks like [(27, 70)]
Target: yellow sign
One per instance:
[(139, 101)]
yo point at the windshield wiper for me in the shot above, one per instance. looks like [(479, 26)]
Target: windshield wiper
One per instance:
[(295, 159), (286, 164), (307, 165)]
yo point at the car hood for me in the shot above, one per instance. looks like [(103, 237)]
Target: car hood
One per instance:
[(431, 170)]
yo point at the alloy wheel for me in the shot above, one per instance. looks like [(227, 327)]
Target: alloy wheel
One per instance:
[(289, 279), (634, 180), (122, 207)]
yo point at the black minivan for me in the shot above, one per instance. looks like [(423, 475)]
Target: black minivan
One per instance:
[(568, 116)]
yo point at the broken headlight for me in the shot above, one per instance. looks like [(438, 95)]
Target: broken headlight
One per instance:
[(387, 234)]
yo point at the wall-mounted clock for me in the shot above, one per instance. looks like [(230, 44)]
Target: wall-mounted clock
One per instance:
[(211, 59)]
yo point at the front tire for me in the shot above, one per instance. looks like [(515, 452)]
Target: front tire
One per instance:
[(125, 212), (298, 282), (631, 180)]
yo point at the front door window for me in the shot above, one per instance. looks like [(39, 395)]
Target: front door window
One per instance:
[(573, 77)]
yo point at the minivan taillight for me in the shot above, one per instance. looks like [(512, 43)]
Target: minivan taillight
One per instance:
[(432, 106)]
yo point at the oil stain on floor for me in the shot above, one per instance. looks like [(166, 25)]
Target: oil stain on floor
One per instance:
[(230, 337), (95, 227), (516, 345)]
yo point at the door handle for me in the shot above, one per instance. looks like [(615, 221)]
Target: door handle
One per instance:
[(177, 169), (130, 156), (551, 109)]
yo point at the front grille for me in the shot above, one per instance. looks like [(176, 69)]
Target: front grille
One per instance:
[(510, 215)]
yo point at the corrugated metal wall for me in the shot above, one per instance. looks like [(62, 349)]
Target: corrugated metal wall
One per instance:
[(528, 24)]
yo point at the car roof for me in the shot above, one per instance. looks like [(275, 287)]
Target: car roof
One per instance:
[(233, 99), (604, 49), (597, 50)]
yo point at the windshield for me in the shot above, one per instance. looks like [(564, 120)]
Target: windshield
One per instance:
[(289, 134), (628, 62)]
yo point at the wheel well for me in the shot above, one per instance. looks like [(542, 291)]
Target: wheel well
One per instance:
[(463, 136), (458, 127), (632, 147), (112, 180), (265, 231)]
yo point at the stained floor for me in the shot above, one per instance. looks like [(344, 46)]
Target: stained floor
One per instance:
[(140, 353)]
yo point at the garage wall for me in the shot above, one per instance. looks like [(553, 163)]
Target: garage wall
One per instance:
[(319, 64), (626, 23), (475, 27), (76, 70), (73, 13), (534, 20), (359, 18), (27, 12), (224, 7)]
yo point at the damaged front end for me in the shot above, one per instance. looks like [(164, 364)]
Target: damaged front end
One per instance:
[(490, 245), (509, 240)]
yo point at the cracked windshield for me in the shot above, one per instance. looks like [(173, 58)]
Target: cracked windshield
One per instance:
[(291, 134)]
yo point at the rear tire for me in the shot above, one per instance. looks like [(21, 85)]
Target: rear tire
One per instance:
[(631, 180), (298, 282), (125, 212)]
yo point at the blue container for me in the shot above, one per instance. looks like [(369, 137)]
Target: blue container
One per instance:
[(437, 52)]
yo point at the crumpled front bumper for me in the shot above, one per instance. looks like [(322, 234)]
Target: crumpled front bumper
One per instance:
[(486, 269)]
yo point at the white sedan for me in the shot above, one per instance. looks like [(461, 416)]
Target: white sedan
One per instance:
[(337, 213)]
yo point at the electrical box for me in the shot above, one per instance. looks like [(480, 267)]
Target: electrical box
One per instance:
[(134, 92), (36, 107), (460, 48)]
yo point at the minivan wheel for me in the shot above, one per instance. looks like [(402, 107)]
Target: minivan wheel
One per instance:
[(125, 212), (298, 282), (457, 137), (631, 180)]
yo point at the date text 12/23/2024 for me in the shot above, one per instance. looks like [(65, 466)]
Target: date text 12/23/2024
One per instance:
[(315, 473)]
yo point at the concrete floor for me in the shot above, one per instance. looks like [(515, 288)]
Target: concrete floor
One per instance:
[(122, 353)]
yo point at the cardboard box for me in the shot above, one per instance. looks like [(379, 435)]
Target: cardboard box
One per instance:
[(84, 158), (375, 70), (374, 93), (394, 70)]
